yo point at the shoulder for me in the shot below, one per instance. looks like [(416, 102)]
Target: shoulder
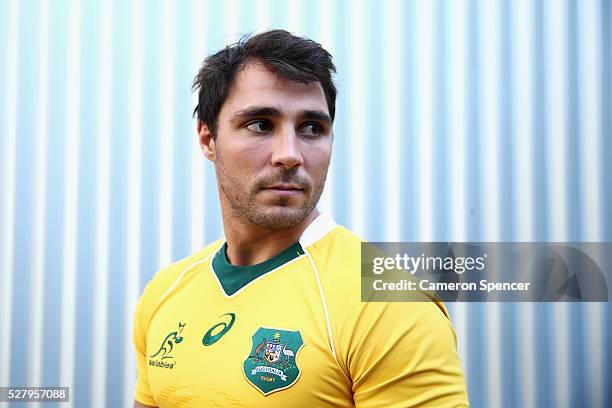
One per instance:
[(334, 252), (338, 244), (337, 259), (168, 277), (337, 256)]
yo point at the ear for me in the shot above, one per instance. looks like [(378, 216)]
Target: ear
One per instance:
[(207, 142)]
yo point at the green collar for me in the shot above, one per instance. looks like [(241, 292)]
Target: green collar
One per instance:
[(233, 278)]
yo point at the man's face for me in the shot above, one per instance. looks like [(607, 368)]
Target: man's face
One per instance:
[(272, 148)]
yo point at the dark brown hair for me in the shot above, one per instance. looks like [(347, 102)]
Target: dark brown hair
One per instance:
[(288, 56)]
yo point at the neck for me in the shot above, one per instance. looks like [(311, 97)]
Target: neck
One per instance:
[(249, 244)]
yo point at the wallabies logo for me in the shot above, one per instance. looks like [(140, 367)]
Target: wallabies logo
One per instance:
[(163, 357)]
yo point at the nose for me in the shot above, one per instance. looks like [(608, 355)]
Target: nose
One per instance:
[(286, 150)]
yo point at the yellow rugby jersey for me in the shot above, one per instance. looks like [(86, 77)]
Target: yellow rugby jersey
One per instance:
[(290, 331)]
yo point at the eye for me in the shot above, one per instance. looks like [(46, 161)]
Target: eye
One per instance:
[(259, 126), (311, 129)]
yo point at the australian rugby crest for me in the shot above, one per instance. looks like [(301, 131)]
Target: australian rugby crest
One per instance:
[(271, 365)]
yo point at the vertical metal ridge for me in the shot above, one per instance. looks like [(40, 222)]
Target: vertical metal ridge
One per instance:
[(134, 193), (37, 283), (199, 206), (166, 135), (71, 181), (101, 283), (7, 266), (358, 114)]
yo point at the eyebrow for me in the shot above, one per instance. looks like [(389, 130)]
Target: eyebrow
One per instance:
[(272, 112)]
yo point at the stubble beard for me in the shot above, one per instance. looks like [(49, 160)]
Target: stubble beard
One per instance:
[(277, 216)]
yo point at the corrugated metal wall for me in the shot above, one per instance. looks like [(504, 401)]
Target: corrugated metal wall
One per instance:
[(457, 120)]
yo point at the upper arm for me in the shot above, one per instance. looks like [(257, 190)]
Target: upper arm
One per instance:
[(405, 355), (142, 391)]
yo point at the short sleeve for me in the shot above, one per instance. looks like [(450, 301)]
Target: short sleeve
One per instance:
[(143, 392), (404, 354)]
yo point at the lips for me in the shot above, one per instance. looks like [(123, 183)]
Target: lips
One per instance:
[(283, 186), (284, 190)]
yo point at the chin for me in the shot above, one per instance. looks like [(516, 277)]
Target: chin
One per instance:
[(280, 217)]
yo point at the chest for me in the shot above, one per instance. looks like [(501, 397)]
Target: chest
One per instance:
[(265, 346)]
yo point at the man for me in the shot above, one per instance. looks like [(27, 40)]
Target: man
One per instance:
[(270, 315)]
